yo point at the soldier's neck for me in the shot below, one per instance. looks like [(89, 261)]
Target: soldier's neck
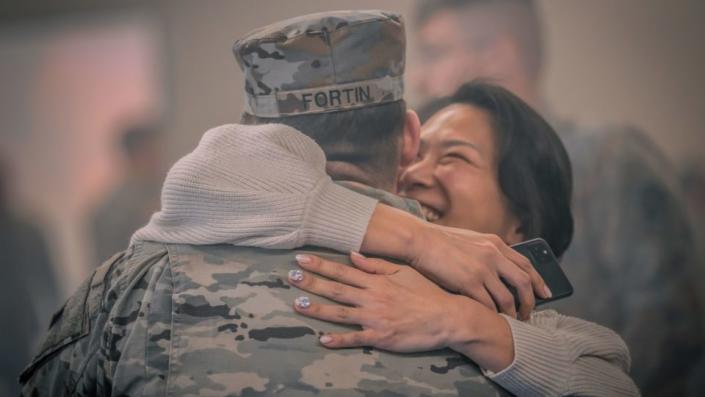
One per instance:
[(342, 171)]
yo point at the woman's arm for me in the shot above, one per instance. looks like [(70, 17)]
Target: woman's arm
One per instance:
[(266, 186), (262, 186), (400, 310), (562, 355)]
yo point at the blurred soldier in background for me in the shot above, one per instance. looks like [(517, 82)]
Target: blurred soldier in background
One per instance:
[(27, 291), (693, 183), (130, 204), (633, 258)]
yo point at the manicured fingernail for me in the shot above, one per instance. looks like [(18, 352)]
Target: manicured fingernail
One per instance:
[(547, 291), (303, 259), (296, 275), (325, 339), (302, 302)]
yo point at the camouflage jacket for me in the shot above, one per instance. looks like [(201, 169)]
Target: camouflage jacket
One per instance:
[(217, 320)]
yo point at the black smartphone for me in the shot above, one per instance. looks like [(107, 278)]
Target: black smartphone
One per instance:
[(541, 256)]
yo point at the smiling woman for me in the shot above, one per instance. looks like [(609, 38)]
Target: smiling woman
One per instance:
[(489, 163)]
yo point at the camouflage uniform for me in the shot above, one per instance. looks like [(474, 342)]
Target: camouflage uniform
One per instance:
[(217, 320)]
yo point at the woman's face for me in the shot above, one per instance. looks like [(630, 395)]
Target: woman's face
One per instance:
[(455, 175)]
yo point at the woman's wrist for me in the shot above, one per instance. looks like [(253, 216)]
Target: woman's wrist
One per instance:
[(480, 334), (392, 233)]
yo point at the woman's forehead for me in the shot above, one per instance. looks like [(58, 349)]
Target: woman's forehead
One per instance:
[(458, 122)]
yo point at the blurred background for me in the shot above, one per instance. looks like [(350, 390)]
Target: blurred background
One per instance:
[(98, 99)]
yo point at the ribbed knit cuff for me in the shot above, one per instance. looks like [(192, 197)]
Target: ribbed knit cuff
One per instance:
[(542, 365), (337, 217)]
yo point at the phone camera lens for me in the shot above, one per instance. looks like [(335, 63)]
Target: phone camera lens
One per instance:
[(541, 254)]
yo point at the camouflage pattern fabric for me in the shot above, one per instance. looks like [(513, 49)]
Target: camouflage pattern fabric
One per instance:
[(168, 319), (323, 62)]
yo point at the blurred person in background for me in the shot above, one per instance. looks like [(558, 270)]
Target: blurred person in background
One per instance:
[(633, 258), (130, 204), (27, 291), (693, 184)]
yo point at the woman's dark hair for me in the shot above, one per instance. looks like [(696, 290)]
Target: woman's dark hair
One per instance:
[(533, 167)]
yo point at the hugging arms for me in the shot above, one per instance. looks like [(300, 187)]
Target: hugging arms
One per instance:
[(551, 354)]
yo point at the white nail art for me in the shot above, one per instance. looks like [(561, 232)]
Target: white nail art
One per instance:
[(296, 275), (302, 302)]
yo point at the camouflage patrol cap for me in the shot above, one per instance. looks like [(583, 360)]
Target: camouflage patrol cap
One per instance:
[(323, 62)]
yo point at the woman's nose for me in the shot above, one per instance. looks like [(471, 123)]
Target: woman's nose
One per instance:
[(418, 175)]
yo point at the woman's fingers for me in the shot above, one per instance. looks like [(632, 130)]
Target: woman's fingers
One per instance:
[(522, 282), (333, 270), (373, 266), (480, 294), (330, 289), (537, 283), (349, 339), (502, 297), (335, 313)]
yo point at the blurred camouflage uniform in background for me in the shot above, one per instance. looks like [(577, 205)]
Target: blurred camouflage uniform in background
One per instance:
[(633, 258)]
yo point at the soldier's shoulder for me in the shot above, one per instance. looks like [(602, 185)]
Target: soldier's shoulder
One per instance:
[(72, 324)]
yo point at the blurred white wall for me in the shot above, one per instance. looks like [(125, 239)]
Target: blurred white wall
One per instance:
[(635, 61)]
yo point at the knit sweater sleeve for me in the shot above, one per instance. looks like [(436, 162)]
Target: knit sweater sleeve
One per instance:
[(262, 186), (557, 355)]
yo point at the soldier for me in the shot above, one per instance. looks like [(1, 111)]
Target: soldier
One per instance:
[(174, 315), (216, 319)]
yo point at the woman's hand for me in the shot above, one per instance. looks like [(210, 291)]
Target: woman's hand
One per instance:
[(400, 310), (473, 264), (462, 261)]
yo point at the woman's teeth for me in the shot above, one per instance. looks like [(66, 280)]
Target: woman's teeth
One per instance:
[(430, 214)]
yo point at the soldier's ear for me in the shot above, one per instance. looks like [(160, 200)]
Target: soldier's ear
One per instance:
[(410, 138)]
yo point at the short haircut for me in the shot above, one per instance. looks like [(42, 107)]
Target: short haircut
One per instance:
[(519, 18), (368, 138), (533, 167)]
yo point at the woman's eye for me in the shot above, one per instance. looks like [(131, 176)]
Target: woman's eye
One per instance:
[(457, 156)]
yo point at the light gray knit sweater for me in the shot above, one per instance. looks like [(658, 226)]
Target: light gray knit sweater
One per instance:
[(260, 186), (266, 186)]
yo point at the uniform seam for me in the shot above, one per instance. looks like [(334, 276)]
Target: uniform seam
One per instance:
[(172, 349), (146, 320), (146, 262), (106, 278)]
